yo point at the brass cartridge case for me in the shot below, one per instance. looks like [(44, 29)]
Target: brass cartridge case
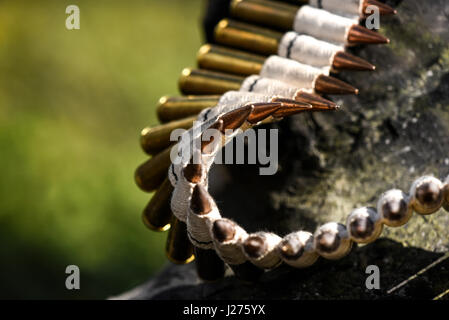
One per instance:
[(248, 37), (174, 108), (207, 82), (217, 58), (274, 14)]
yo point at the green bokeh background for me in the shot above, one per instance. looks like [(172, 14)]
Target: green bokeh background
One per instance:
[(72, 104)]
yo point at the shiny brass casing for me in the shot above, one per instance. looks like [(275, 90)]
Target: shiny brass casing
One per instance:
[(269, 13), (155, 139), (248, 37), (207, 82), (174, 108), (157, 214)]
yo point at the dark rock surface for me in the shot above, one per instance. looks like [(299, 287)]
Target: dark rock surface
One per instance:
[(344, 279), (396, 130)]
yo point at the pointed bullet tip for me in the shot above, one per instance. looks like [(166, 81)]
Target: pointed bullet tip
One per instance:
[(290, 107), (345, 61), (331, 85), (359, 34), (317, 102), (262, 111), (223, 230), (200, 202), (235, 119)]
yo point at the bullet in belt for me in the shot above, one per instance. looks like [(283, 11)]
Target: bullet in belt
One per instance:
[(255, 246), (343, 60), (384, 9), (224, 230), (262, 111), (265, 12), (209, 266), (235, 119), (285, 13), (359, 34), (331, 85), (200, 202), (282, 16), (323, 84), (193, 172)]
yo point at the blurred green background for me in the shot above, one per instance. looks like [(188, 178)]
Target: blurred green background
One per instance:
[(72, 104)]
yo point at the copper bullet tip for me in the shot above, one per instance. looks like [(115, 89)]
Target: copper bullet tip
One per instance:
[(317, 102), (223, 230), (384, 9), (262, 111), (358, 34), (344, 60), (254, 246), (331, 85), (290, 107), (200, 203), (193, 172), (235, 119)]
